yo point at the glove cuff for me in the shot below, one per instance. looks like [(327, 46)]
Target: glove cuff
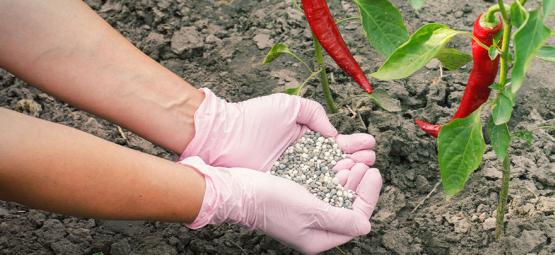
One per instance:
[(211, 194), (208, 117)]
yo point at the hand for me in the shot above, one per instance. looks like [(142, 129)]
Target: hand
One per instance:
[(282, 208), (254, 133)]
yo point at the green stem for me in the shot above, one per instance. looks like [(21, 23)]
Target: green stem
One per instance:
[(505, 51), (301, 60), (501, 205), (339, 21), (312, 76), (503, 10), (503, 194), (490, 14), (323, 76)]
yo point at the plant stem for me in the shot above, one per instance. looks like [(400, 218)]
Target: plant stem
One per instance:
[(505, 52), (301, 60), (323, 76), (501, 205), (505, 44), (503, 194), (490, 14), (339, 21), (300, 87), (503, 10)]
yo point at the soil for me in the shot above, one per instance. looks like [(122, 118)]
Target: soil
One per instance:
[(220, 45)]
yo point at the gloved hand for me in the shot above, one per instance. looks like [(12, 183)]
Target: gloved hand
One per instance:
[(281, 208), (254, 133)]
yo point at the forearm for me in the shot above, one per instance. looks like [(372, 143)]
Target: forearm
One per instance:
[(57, 168), (67, 50)]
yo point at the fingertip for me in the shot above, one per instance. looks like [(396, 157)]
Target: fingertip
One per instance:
[(367, 157), (368, 192), (345, 163), (327, 129), (355, 142), (342, 176)]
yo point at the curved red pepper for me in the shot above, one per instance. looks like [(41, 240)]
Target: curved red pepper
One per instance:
[(484, 71), (324, 28)]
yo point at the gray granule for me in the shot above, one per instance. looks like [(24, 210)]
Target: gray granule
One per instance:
[(309, 162)]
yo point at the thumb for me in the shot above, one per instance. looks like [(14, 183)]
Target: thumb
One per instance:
[(313, 115), (345, 222)]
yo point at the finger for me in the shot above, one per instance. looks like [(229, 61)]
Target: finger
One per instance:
[(313, 115), (345, 163), (342, 221), (355, 142), (355, 176), (367, 157), (342, 176), (368, 192)]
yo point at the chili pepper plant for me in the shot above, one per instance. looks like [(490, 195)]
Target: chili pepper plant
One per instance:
[(505, 38), (373, 15)]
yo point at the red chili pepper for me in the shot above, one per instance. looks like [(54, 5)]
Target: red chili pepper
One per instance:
[(324, 28), (481, 77)]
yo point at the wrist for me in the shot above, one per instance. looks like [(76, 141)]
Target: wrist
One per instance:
[(218, 204), (187, 112)]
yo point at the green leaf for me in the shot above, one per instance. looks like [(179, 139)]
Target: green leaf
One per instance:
[(412, 55), (500, 138), (461, 147), (525, 135), (383, 25), (518, 14), (502, 108), (384, 101), (417, 4), (294, 91), (529, 38), (492, 52), (277, 50), (547, 52), (453, 59), (548, 6)]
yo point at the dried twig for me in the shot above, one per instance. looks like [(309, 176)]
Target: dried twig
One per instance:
[(356, 115), (426, 198), (238, 246), (120, 130), (351, 110), (341, 250), (362, 121), (438, 79)]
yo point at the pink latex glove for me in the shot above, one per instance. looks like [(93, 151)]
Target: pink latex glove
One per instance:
[(254, 133), (281, 208)]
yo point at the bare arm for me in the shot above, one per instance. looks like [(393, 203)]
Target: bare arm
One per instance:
[(64, 48), (57, 168)]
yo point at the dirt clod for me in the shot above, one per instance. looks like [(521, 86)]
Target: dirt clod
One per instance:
[(186, 38)]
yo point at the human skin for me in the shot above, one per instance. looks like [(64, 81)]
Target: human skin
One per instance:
[(61, 169), (65, 49)]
